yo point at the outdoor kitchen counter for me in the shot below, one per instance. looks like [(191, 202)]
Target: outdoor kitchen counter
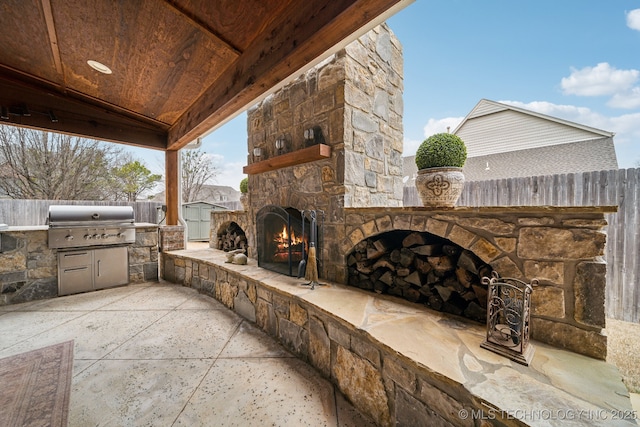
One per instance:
[(25, 228), (46, 227), (28, 267), (363, 341)]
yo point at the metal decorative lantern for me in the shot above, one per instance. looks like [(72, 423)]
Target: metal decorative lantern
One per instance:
[(508, 313)]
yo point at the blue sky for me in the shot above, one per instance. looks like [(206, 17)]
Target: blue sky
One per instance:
[(574, 59)]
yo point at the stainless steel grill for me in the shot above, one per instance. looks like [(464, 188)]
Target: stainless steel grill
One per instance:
[(92, 246), (72, 226)]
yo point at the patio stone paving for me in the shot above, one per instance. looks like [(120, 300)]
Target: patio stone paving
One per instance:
[(164, 355)]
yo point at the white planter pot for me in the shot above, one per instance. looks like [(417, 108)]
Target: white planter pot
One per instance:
[(440, 187)]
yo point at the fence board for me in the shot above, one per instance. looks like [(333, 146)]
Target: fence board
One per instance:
[(603, 188), (17, 212)]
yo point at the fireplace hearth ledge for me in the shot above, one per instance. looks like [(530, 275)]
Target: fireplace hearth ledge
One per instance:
[(402, 363)]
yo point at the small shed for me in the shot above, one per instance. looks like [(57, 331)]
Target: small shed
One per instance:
[(198, 218)]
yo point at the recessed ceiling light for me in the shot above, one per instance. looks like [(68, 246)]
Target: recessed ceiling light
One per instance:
[(99, 67)]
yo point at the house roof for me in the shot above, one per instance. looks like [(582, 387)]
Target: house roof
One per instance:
[(584, 156), (493, 127), (179, 68), (506, 142)]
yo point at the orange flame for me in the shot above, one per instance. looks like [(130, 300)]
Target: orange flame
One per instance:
[(282, 239)]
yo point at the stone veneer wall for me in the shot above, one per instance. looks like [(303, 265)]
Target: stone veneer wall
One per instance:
[(220, 220), (391, 386), (28, 267), (561, 247), (355, 98), (381, 383), (171, 237)]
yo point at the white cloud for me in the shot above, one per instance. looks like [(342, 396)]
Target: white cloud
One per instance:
[(628, 100), (410, 147), (633, 19), (603, 79), (441, 125), (229, 173), (432, 126)]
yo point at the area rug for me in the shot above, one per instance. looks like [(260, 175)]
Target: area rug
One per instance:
[(35, 387)]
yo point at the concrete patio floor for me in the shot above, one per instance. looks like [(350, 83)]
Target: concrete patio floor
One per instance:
[(164, 355)]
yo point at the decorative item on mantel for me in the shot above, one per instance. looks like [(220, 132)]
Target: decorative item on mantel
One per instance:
[(508, 315), (244, 190), (315, 149), (439, 160)]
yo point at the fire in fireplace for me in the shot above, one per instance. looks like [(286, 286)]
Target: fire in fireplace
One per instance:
[(283, 239)]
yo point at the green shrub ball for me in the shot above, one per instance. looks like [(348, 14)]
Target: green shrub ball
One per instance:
[(440, 150), (244, 185)]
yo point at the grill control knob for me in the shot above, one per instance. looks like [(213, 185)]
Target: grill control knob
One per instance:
[(105, 236), (96, 236), (68, 237), (120, 235), (88, 237)]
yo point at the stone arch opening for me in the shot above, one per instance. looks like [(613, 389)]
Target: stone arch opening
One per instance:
[(421, 267), (230, 236)]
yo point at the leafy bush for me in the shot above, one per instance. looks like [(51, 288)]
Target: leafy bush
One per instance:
[(244, 185), (441, 149)]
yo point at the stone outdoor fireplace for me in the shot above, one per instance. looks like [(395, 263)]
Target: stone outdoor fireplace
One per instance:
[(353, 174)]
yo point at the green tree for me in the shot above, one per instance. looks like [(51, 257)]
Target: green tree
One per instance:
[(132, 179)]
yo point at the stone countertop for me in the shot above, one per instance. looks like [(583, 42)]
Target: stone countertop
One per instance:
[(557, 382), (146, 225), (46, 227), (26, 228), (489, 209)]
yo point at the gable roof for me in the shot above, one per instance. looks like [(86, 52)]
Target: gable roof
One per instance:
[(493, 127)]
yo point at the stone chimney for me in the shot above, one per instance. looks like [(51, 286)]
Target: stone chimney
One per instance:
[(353, 102)]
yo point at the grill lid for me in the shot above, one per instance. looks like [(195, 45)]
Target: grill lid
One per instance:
[(78, 214)]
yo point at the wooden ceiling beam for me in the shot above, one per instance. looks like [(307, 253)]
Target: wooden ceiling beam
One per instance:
[(203, 27), (75, 117), (53, 39), (285, 48)]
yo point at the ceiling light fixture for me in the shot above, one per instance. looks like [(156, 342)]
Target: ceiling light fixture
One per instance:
[(99, 67)]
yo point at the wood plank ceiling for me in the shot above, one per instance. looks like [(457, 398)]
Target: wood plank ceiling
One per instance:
[(179, 67)]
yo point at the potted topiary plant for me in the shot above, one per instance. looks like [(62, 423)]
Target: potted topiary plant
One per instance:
[(244, 189), (440, 159)]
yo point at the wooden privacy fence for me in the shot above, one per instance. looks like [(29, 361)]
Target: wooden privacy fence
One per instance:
[(605, 188), (35, 212)]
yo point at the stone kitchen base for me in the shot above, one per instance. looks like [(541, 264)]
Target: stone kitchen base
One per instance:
[(402, 363), (29, 270)]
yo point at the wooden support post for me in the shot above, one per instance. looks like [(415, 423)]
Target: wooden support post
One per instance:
[(172, 181)]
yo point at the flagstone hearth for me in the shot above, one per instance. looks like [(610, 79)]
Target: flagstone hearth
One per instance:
[(404, 364)]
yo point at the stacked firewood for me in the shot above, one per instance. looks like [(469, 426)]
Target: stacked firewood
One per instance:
[(232, 238), (422, 268)]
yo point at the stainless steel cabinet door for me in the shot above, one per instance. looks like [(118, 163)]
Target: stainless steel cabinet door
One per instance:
[(111, 267)]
